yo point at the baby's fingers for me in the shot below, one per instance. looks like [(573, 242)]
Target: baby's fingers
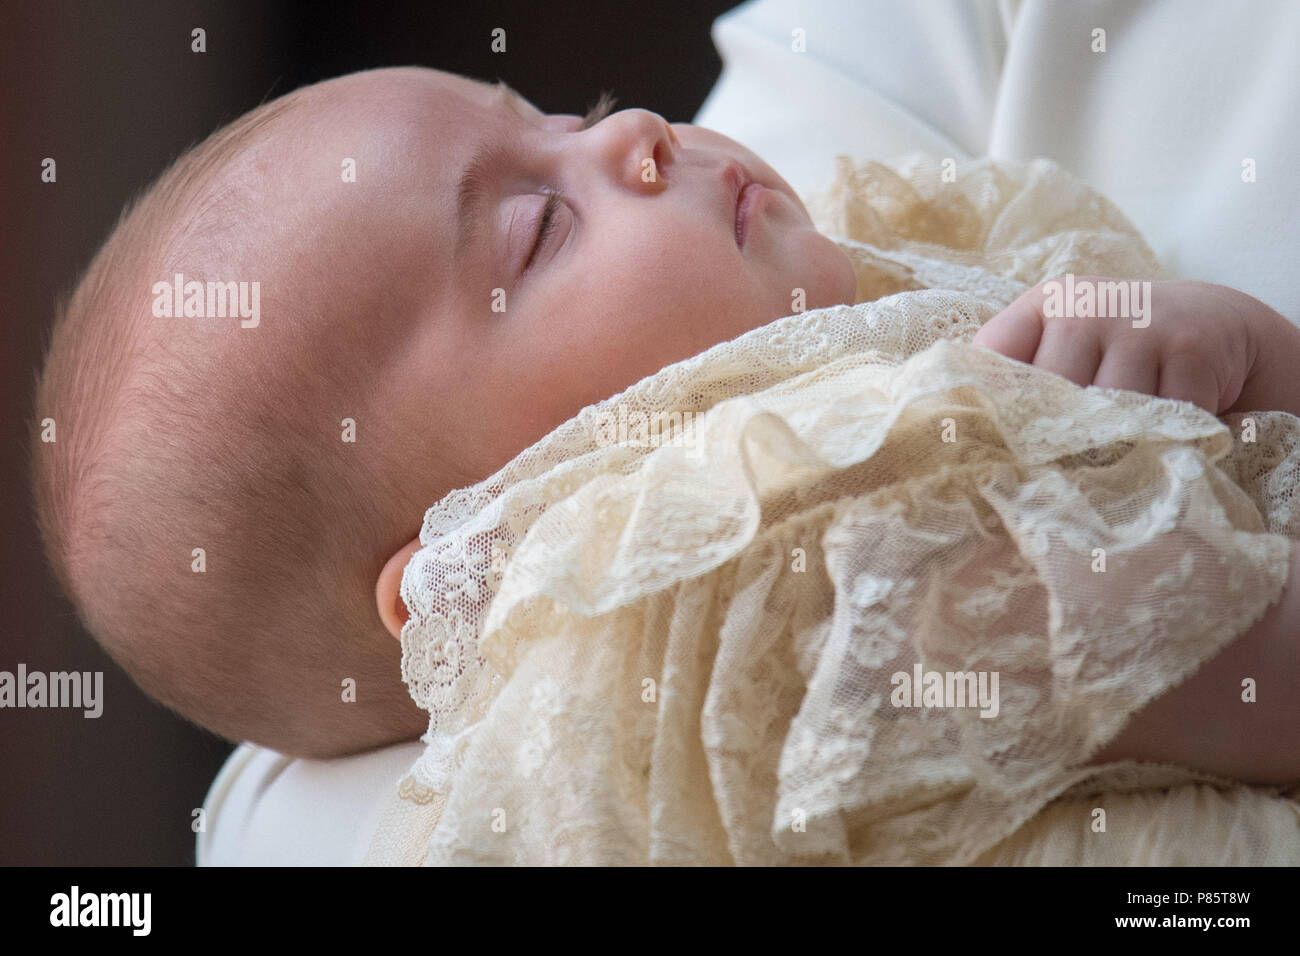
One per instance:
[(1015, 331), (1190, 377), (1129, 367)]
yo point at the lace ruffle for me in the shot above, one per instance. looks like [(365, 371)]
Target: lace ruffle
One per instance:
[(685, 652)]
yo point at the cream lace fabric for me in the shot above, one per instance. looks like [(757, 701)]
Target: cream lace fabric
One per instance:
[(684, 651)]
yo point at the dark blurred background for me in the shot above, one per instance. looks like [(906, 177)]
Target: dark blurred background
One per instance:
[(113, 92)]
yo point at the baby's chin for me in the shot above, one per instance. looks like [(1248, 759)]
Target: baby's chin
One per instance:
[(832, 279), (824, 279), (847, 282), (827, 276)]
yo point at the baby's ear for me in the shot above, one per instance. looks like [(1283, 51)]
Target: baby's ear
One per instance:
[(388, 589)]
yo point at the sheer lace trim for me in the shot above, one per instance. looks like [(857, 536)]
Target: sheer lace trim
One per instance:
[(686, 653)]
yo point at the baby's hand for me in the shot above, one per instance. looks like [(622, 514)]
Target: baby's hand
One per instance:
[(1192, 341)]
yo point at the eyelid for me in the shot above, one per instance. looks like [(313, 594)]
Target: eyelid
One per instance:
[(602, 108), (545, 226)]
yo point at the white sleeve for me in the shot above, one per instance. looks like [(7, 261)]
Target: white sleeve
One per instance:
[(804, 80), (1186, 120), (266, 809), (1189, 99)]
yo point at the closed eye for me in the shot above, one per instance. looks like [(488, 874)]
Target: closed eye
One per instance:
[(603, 106), (546, 225)]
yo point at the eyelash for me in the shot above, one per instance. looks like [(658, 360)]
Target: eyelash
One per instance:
[(553, 200), (602, 108)]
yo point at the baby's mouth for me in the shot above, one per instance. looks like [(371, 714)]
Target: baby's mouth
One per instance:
[(742, 191)]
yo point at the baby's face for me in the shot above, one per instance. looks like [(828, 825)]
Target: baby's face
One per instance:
[(433, 275)]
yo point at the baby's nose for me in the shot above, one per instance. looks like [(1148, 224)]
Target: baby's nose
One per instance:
[(641, 147)]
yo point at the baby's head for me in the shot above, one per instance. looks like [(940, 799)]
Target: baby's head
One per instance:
[(443, 275)]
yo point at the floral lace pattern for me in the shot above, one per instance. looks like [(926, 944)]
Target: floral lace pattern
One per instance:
[(688, 653)]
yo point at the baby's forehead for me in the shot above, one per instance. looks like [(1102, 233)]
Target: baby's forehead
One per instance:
[(382, 142), (410, 99), (384, 153), (347, 221)]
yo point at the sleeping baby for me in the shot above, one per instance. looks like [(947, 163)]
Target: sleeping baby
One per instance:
[(741, 636)]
